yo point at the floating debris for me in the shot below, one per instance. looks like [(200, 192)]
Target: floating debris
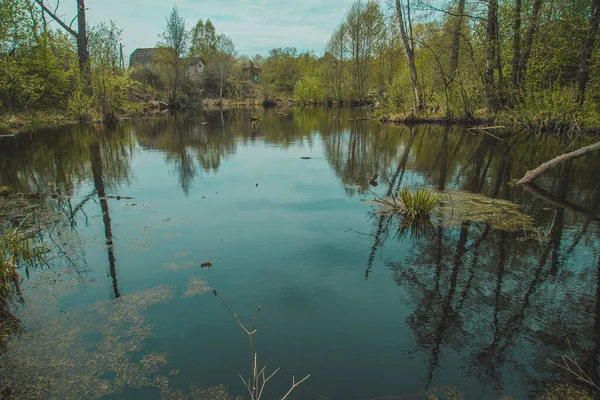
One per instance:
[(206, 264), (503, 215), (305, 158)]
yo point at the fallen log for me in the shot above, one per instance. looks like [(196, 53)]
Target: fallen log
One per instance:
[(534, 173)]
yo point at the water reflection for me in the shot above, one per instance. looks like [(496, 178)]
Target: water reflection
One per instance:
[(502, 302)]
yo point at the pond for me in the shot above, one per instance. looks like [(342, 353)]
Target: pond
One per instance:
[(277, 206)]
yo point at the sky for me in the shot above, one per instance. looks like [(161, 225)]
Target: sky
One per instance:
[(256, 26)]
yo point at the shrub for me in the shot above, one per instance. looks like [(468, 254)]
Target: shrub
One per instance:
[(309, 90)]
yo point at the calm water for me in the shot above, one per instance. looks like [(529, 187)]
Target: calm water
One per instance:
[(366, 310)]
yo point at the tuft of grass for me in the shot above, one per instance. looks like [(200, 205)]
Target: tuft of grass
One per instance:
[(418, 203)]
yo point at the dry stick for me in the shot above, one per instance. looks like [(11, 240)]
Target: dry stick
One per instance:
[(580, 373), (533, 174), (294, 385), (484, 130), (255, 388)]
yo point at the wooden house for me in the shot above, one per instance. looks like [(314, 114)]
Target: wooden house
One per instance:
[(251, 72)]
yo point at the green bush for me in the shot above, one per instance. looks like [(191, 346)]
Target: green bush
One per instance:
[(309, 90)]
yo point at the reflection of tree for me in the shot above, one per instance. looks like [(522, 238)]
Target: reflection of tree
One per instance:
[(485, 293), (96, 162)]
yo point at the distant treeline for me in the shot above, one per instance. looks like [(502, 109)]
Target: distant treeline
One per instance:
[(528, 61)]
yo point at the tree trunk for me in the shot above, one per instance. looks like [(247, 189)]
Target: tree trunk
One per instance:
[(410, 54), (516, 45), (528, 43), (82, 48), (533, 174), (460, 11), (586, 51), (82, 42), (490, 54)]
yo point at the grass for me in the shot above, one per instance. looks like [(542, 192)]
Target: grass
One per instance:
[(23, 121), (418, 203), (17, 250)]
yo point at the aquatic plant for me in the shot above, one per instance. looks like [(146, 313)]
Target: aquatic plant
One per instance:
[(257, 383), (418, 203), (17, 250)]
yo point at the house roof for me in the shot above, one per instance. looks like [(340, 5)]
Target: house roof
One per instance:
[(143, 52)]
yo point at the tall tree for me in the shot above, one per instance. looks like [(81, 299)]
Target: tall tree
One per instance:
[(406, 34), (173, 46), (82, 41), (491, 47), (528, 42), (516, 44), (586, 51), (456, 33)]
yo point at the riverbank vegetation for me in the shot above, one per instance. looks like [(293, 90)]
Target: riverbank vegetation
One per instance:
[(525, 64)]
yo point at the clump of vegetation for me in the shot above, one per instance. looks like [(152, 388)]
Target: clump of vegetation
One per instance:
[(18, 250), (412, 204), (566, 391), (475, 207), (418, 203)]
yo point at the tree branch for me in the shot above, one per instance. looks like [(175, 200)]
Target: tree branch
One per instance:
[(54, 17), (453, 14)]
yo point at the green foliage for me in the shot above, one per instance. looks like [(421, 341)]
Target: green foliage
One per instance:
[(418, 203), (309, 90), (80, 106)]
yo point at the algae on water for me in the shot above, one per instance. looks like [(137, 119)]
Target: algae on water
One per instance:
[(92, 351), (502, 215)]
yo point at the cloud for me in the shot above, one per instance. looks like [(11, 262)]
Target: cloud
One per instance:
[(256, 26)]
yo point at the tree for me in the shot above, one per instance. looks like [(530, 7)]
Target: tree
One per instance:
[(173, 46), (491, 56), (204, 39), (406, 34), (365, 26), (82, 40), (221, 60), (586, 51), (456, 33)]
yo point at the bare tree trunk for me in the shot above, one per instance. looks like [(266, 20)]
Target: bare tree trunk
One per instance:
[(586, 51), (490, 54), (533, 174), (82, 42), (82, 47), (410, 54), (460, 11), (528, 43), (516, 45)]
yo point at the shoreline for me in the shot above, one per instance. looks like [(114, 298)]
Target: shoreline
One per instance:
[(21, 122)]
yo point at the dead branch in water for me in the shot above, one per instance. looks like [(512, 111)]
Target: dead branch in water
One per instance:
[(256, 385), (533, 174)]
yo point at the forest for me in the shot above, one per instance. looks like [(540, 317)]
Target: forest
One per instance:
[(529, 64)]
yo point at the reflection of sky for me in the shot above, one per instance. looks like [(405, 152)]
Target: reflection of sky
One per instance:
[(256, 26), (286, 245)]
